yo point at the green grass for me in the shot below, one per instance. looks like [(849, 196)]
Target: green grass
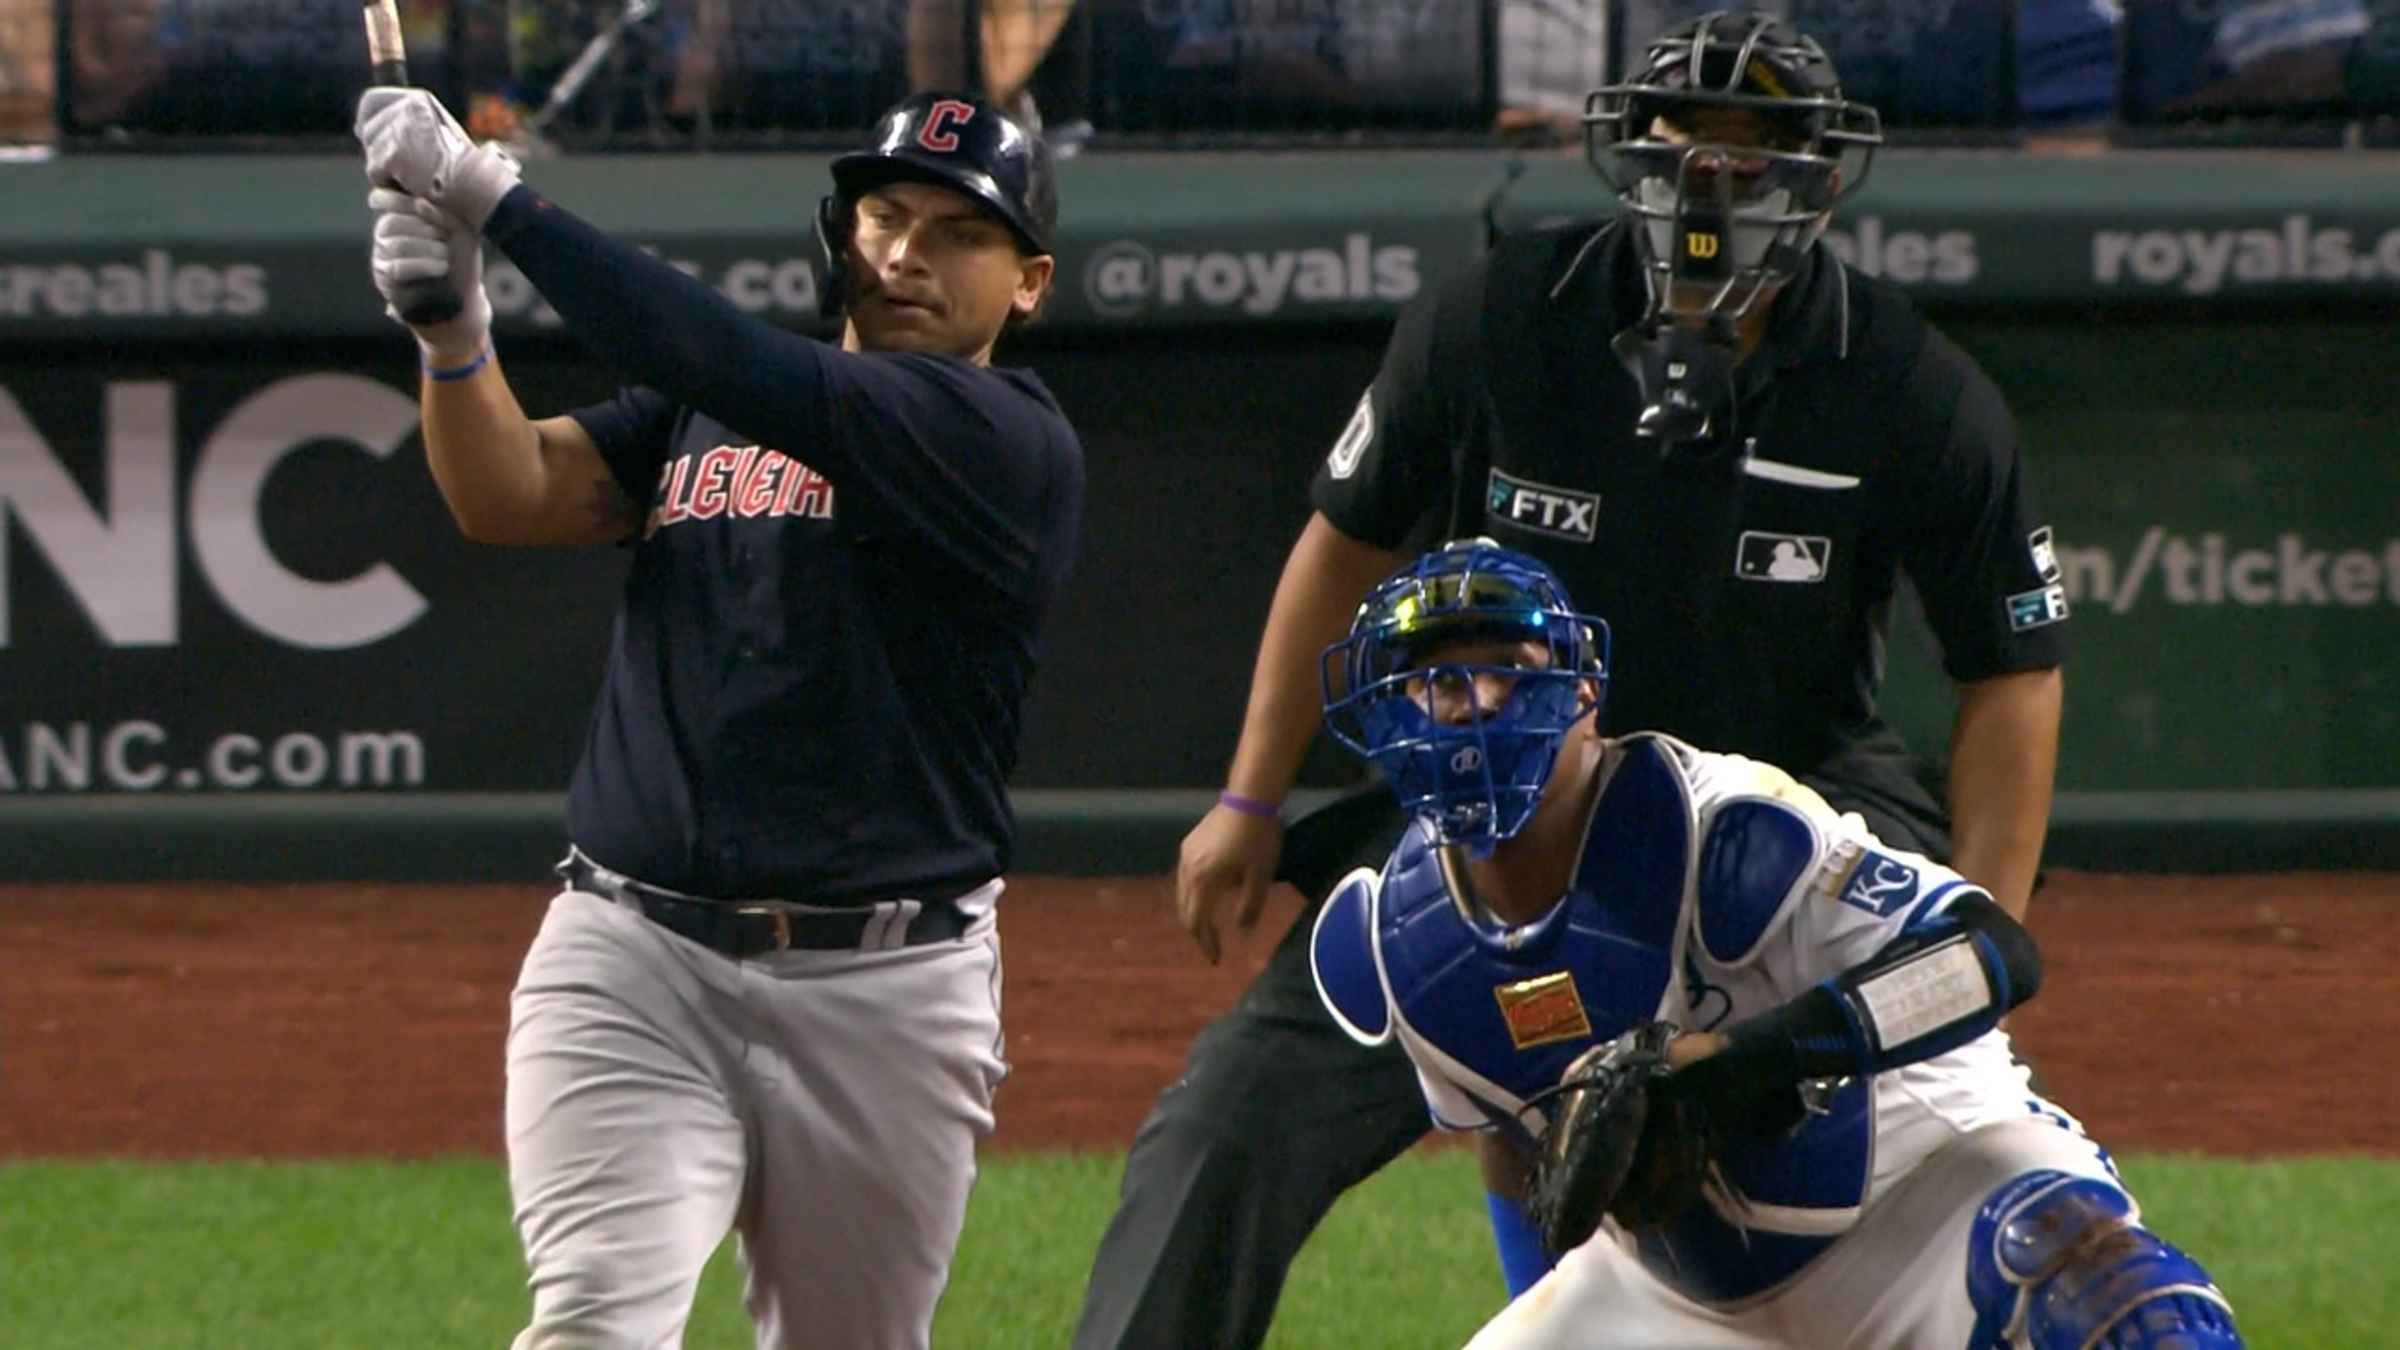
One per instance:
[(326, 1256)]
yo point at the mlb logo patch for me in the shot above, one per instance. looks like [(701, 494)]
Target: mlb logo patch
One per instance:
[(2045, 557), (1561, 512), (1765, 556), (2032, 609), (1879, 885)]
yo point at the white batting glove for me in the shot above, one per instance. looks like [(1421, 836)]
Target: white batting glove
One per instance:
[(414, 144), (413, 241)]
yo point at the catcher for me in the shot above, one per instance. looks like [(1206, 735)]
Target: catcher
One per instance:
[(1737, 1064)]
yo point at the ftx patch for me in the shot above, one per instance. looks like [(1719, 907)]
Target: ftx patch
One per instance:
[(1560, 512)]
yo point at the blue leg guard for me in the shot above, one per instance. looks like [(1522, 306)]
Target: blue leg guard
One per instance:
[(2058, 1263)]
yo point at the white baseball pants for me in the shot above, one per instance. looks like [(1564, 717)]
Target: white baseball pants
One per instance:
[(824, 1104)]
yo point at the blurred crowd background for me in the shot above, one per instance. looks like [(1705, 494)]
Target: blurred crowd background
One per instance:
[(698, 74)]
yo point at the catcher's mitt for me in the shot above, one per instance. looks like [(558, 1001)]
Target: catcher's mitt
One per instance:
[(1619, 1143)]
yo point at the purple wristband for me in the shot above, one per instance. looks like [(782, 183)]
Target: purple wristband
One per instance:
[(1250, 806)]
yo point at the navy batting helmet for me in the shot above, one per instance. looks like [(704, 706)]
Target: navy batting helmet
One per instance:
[(1474, 780), (956, 141)]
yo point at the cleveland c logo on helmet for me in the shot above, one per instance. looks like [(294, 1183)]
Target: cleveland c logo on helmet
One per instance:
[(939, 130), (952, 140)]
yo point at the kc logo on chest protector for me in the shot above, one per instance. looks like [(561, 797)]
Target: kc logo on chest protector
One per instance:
[(1543, 509)]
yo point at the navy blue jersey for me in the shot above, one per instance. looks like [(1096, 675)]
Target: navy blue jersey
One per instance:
[(814, 684)]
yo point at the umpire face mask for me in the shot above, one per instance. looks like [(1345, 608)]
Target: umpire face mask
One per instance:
[(1720, 225), (1726, 150)]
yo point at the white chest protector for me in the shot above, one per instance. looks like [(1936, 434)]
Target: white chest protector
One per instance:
[(1710, 888)]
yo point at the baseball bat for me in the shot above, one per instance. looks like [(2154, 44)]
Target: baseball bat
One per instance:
[(426, 300), (579, 71)]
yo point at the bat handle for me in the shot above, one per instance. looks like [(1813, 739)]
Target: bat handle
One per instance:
[(428, 300)]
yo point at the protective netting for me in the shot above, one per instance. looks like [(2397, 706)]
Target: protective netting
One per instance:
[(679, 74)]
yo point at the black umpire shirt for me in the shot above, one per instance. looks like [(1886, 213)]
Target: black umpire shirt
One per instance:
[(1749, 587), (814, 684)]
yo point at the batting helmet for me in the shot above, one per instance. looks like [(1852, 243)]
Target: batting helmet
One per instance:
[(1736, 215), (1474, 780), (956, 141)]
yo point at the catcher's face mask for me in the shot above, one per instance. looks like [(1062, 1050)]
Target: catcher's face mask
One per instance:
[(1727, 151), (1460, 676)]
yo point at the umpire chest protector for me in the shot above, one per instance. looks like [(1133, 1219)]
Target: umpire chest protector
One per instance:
[(1780, 534), (1824, 390)]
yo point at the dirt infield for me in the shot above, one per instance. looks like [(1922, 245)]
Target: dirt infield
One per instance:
[(2237, 1015)]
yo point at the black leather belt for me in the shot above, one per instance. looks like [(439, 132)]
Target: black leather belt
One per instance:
[(745, 928)]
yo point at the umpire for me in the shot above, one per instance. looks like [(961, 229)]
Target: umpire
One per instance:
[(767, 997), (1731, 446)]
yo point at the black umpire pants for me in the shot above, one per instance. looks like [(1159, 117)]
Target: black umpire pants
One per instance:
[(1278, 1112)]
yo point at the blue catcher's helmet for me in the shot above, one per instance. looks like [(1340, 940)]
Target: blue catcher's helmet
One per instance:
[(1475, 776)]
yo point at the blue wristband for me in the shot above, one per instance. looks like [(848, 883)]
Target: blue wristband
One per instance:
[(461, 372), (1522, 1260)]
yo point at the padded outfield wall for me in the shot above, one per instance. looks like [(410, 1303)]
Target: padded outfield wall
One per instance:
[(232, 609)]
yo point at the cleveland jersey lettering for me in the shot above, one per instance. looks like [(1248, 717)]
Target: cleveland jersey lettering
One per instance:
[(744, 481)]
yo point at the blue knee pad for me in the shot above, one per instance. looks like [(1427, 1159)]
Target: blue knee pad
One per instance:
[(2056, 1262)]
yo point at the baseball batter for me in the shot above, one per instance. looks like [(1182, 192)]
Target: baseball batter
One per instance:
[(1832, 1146), (768, 997)]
